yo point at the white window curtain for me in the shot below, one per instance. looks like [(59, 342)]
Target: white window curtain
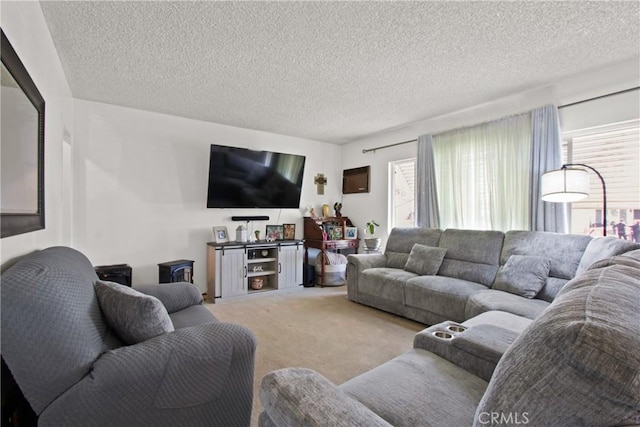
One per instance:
[(482, 175)]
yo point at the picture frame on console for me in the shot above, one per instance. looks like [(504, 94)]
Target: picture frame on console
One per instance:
[(289, 231), (274, 232), (336, 233), (220, 234), (351, 233)]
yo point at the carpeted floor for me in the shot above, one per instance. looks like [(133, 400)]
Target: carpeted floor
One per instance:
[(316, 328)]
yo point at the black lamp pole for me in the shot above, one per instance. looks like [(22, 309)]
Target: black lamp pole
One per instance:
[(604, 194)]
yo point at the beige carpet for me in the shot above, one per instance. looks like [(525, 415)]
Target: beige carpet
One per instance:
[(316, 328)]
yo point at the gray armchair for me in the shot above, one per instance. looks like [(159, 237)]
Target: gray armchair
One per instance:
[(74, 369)]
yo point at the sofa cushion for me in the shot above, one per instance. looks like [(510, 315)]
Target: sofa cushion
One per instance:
[(441, 295), (584, 353), (192, 316), (396, 259), (425, 260), (522, 275), (387, 283), (401, 241), (564, 250), (134, 316), (602, 248), (631, 259), (472, 255), (492, 299), (418, 388), (501, 319)]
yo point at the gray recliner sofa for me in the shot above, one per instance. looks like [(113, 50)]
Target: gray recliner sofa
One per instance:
[(576, 364), (76, 367), (477, 271)]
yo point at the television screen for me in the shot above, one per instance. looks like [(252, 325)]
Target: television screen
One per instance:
[(242, 178)]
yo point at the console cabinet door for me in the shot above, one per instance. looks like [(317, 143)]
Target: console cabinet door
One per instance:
[(233, 272), (290, 266)]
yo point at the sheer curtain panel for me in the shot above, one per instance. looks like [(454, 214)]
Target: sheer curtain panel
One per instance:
[(482, 175)]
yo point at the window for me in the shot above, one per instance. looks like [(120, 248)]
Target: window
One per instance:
[(402, 187), (614, 151)]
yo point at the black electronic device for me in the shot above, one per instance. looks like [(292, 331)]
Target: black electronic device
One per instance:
[(243, 178), (250, 218)]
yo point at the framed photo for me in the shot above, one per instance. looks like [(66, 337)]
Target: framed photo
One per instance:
[(289, 231), (220, 234), (351, 233), (274, 232), (336, 233)]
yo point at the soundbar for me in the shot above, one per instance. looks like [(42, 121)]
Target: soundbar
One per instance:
[(250, 218)]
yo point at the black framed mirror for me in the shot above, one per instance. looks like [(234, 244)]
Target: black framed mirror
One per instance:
[(21, 147)]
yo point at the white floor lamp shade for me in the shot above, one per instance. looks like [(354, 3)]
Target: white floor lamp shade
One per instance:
[(565, 185), (570, 185)]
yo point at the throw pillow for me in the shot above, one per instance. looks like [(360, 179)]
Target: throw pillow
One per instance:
[(523, 275), (425, 260), (134, 316)]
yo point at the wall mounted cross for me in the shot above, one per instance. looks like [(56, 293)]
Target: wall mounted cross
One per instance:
[(320, 180)]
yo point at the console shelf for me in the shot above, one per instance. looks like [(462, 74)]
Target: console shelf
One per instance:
[(230, 267)]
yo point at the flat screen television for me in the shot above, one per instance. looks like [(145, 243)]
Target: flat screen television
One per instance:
[(243, 178)]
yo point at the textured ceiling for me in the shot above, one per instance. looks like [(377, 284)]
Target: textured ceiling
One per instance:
[(330, 71)]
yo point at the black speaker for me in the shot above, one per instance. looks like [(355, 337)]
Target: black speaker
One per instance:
[(250, 218), (308, 275)]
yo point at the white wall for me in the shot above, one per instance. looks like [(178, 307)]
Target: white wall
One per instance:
[(362, 207), (140, 186), (139, 178), (24, 26)]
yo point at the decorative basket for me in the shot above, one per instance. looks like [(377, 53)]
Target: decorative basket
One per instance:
[(257, 283)]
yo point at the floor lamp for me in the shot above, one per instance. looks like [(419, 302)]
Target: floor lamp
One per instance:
[(569, 184)]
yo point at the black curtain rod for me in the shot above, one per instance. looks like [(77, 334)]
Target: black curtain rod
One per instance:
[(366, 150), (562, 106), (599, 97)]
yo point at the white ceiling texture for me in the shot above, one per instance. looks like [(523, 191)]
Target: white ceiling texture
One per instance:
[(330, 71)]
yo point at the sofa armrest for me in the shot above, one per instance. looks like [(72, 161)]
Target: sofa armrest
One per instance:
[(476, 349), (356, 264), (364, 261), (174, 296), (302, 397), (187, 377)]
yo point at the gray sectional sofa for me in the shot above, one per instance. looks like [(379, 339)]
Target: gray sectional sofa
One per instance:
[(576, 364), (431, 276)]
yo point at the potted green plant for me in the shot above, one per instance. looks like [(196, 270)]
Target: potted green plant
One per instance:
[(371, 242)]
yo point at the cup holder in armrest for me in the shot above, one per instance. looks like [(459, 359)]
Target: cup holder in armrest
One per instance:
[(456, 328), (442, 335)]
